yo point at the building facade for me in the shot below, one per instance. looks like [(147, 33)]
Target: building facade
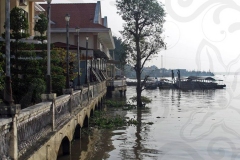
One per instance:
[(27, 5)]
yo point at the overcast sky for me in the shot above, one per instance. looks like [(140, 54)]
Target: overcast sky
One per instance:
[(200, 35)]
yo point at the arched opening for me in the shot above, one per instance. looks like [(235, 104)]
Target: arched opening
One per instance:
[(64, 148), (97, 107), (100, 103), (77, 132), (85, 122), (91, 113)]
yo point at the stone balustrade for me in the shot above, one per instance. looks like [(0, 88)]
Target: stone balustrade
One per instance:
[(36, 122)]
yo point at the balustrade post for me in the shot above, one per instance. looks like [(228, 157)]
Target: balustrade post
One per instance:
[(91, 72), (12, 110), (13, 149), (70, 104), (53, 108), (70, 148), (50, 97)]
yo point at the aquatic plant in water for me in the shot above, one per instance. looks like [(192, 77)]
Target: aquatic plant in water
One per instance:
[(145, 100)]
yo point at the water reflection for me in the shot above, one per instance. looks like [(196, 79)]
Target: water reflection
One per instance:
[(138, 147), (186, 125), (93, 146)]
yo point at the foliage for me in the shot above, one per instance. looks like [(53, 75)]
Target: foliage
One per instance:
[(19, 29), (144, 99), (18, 24), (40, 38), (58, 69), (61, 53), (27, 81), (41, 26), (28, 91), (40, 46), (103, 120), (120, 52), (112, 103), (153, 71), (132, 121), (142, 32), (25, 46)]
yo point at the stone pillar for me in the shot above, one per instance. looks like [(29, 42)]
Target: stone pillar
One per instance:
[(70, 148), (48, 154), (69, 91), (12, 110), (91, 72), (47, 98), (13, 149)]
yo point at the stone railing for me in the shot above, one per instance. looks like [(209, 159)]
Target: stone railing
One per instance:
[(5, 125), (36, 122)]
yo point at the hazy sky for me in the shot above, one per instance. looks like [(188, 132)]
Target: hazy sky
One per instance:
[(200, 35)]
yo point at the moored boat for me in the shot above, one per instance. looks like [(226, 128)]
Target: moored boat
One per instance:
[(165, 84), (198, 83), (151, 83)]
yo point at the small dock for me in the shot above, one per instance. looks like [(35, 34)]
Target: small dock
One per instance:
[(119, 85)]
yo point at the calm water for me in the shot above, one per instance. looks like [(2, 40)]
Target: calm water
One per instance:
[(186, 125)]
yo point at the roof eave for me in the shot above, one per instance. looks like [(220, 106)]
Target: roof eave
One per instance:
[(94, 30), (37, 0), (105, 34), (107, 39)]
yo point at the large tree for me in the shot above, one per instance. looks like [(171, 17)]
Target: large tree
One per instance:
[(142, 31), (120, 52), (41, 26), (18, 24), (18, 29)]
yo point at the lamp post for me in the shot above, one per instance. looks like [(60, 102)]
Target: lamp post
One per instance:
[(49, 84), (36, 18), (67, 18), (8, 87), (86, 60), (78, 57)]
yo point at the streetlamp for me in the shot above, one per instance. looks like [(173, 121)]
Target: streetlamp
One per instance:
[(86, 60), (36, 18), (8, 87), (67, 18), (49, 84), (78, 56)]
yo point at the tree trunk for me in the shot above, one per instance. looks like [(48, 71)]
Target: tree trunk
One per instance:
[(139, 88), (138, 74)]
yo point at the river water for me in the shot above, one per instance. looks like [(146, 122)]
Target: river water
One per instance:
[(186, 125)]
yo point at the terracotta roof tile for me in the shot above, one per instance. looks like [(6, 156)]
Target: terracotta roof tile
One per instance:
[(81, 15)]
